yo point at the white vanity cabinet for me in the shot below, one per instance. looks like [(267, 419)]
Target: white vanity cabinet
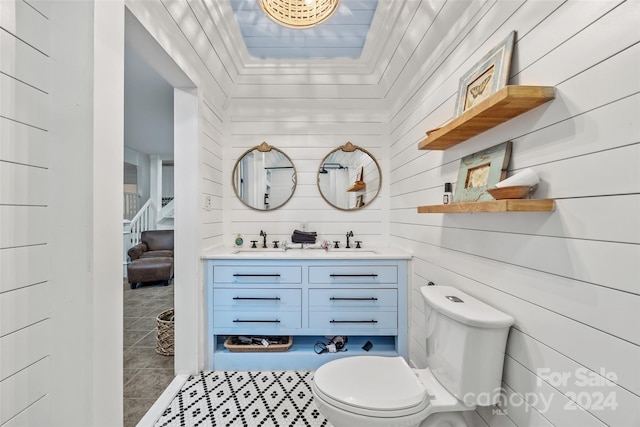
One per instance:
[(308, 299)]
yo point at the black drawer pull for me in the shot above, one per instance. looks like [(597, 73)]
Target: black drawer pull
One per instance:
[(353, 275), (255, 321), (258, 298), (255, 275), (353, 299), (353, 321)]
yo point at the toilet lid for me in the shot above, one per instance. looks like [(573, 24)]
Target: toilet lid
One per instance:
[(371, 382)]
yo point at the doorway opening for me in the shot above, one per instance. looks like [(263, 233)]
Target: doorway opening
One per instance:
[(160, 149)]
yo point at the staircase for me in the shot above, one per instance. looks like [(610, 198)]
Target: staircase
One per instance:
[(147, 218), (157, 213)]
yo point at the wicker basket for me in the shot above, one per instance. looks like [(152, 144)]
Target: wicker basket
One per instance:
[(257, 348), (165, 333)]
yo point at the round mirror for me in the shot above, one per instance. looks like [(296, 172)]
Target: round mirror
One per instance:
[(264, 177), (349, 177)]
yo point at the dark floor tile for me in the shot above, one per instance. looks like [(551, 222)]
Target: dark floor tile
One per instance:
[(136, 311), (159, 361), (155, 310), (146, 373), (131, 338), (138, 357), (148, 340), (134, 410), (149, 382), (130, 374), (141, 324)]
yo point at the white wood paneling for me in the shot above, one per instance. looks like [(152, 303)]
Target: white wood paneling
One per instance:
[(577, 218), (306, 142), (579, 341), (43, 7), (570, 278), (37, 414), (25, 296), (24, 307), (219, 78), (185, 31), (23, 389), (25, 22), (544, 399), (23, 348), (22, 185), (22, 226), (23, 103), (537, 357), (23, 266), (20, 143), (22, 62)]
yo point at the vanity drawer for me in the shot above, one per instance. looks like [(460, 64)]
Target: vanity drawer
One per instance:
[(251, 274), (348, 299), (257, 299), (354, 274), (266, 320), (341, 320)]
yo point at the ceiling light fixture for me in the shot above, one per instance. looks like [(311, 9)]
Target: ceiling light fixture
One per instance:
[(299, 13)]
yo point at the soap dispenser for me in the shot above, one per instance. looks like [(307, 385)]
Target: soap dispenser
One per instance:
[(239, 240)]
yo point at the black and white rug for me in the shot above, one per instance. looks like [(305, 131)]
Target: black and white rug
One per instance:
[(245, 398)]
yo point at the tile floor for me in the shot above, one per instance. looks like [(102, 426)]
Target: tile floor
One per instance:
[(146, 373), (245, 399)]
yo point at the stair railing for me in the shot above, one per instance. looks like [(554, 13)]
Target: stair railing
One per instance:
[(143, 221)]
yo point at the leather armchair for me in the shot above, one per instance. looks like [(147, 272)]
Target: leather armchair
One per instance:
[(152, 258)]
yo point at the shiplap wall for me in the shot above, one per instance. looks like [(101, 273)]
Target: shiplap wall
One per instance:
[(308, 110), (194, 44), (307, 144), (25, 302), (570, 278)]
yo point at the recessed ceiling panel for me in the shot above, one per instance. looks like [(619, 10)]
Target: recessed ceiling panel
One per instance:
[(341, 36)]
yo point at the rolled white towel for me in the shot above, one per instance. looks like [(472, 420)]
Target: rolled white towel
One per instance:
[(525, 177)]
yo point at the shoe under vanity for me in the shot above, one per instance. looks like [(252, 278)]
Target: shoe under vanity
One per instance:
[(308, 295)]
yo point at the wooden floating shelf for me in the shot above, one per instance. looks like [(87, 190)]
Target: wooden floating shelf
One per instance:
[(505, 104), (359, 185), (507, 205)]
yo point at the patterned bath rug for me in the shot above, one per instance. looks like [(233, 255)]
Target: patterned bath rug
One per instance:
[(244, 399)]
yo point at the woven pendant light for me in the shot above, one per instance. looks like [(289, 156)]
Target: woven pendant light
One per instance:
[(299, 13)]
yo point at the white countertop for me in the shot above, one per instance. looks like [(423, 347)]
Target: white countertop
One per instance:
[(226, 252)]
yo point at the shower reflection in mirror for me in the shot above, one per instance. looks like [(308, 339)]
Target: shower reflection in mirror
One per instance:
[(333, 181), (349, 177), (264, 177)]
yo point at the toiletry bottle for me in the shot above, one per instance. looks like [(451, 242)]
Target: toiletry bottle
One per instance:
[(239, 240), (448, 196)]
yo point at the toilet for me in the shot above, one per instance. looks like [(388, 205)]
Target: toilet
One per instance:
[(465, 347)]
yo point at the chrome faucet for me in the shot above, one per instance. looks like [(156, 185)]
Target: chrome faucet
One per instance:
[(349, 234), (264, 239)]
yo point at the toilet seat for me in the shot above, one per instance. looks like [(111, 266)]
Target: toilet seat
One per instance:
[(383, 387)]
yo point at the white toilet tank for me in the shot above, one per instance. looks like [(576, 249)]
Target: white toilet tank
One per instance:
[(466, 341)]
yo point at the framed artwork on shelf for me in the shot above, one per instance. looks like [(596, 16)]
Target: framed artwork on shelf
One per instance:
[(480, 171), (486, 77)]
